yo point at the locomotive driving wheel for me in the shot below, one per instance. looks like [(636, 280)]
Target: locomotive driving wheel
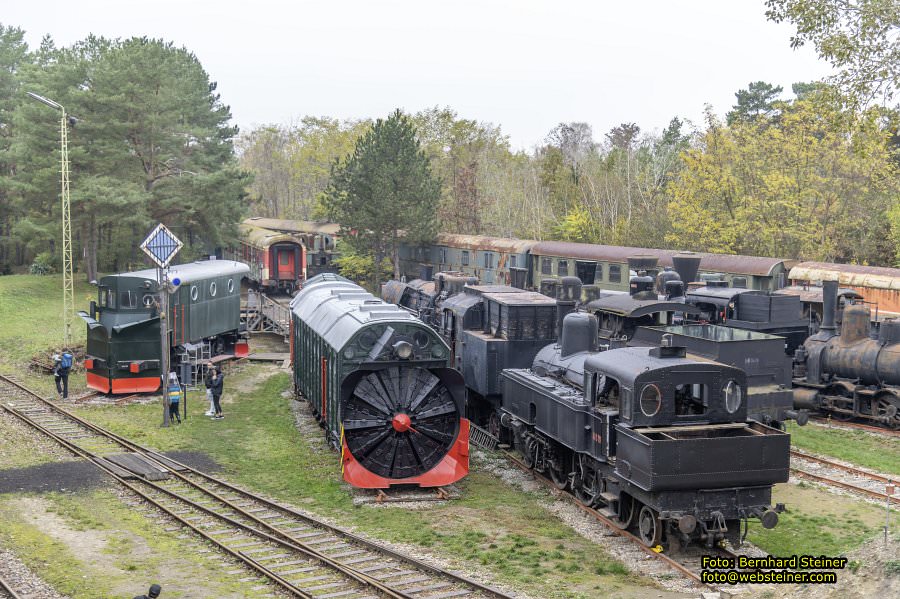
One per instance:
[(886, 408), (400, 422), (626, 512), (649, 527)]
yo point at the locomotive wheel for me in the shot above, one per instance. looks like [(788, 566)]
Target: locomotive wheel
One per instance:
[(400, 422), (559, 476), (887, 408), (649, 527), (626, 512)]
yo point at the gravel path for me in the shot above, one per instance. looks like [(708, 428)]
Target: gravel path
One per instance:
[(22, 580)]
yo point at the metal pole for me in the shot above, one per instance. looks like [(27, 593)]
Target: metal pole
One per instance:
[(68, 287), (164, 340)]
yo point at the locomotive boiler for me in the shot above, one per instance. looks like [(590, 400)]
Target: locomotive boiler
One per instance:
[(657, 441), (851, 372), (379, 381)]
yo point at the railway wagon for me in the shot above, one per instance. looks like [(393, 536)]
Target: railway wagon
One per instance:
[(658, 441), (492, 260), (319, 240), (379, 382), (880, 286), (277, 260), (123, 334)]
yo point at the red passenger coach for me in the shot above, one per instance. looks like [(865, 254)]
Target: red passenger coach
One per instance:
[(277, 260)]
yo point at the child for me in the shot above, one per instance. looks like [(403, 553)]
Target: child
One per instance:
[(174, 392)]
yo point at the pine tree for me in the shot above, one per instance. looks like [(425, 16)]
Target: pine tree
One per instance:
[(383, 190)]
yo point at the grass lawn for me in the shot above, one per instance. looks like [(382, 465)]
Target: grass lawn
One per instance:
[(493, 528), (880, 453)]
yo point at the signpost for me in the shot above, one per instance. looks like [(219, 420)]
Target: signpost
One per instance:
[(162, 245)]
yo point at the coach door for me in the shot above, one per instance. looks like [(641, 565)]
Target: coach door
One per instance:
[(286, 264)]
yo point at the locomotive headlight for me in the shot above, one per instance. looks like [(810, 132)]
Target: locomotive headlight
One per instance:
[(403, 350), (349, 353)]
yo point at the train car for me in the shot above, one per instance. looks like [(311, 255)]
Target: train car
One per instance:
[(318, 239), (607, 267), (123, 334), (380, 382), (880, 286), (277, 260), (850, 372), (811, 300), (657, 441), (492, 260)]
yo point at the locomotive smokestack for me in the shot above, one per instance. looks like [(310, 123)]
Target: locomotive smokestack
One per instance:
[(687, 265), (829, 305), (569, 296)]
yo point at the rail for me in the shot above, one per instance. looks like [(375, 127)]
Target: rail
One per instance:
[(298, 553)]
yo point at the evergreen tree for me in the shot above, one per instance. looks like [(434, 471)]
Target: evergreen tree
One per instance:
[(383, 190), (757, 100)]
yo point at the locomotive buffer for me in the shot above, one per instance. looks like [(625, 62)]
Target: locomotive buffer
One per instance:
[(162, 245)]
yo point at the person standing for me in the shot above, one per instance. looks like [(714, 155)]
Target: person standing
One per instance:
[(62, 365), (217, 384), (174, 391), (209, 396)]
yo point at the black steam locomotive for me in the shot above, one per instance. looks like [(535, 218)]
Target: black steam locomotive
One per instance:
[(379, 382), (656, 440), (851, 372)]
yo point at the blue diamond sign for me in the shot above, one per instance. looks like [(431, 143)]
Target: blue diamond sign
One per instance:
[(161, 245)]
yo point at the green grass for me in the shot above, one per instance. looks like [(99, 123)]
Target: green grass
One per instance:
[(125, 551), (817, 523), (492, 528), (31, 313), (856, 447)]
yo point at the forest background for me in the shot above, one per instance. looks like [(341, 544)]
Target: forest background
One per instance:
[(810, 173)]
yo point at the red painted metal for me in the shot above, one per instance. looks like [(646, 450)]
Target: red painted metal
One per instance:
[(452, 468), (134, 368), (401, 423), (241, 349), (97, 382), (135, 385)]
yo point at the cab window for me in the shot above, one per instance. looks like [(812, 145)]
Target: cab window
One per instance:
[(691, 400), (107, 298), (127, 299)]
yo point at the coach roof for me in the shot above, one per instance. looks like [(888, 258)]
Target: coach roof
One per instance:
[(192, 271)]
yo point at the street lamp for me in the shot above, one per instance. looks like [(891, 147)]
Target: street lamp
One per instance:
[(68, 288)]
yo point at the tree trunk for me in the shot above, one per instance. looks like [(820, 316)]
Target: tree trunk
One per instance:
[(395, 256)]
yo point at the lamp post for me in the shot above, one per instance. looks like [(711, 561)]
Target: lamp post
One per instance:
[(68, 288)]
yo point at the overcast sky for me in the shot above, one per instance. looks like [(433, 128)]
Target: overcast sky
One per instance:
[(525, 65)]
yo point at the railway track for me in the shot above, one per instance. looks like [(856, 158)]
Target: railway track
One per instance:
[(830, 422), (302, 556), (688, 564), (870, 477), (6, 590)]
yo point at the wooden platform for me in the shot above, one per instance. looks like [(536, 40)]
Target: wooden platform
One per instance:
[(132, 465), (269, 356)]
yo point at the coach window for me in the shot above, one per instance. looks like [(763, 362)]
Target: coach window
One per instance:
[(563, 268), (739, 282), (585, 271), (546, 266), (598, 274), (465, 258), (488, 260), (443, 256), (615, 273), (195, 293), (283, 258), (512, 260), (212, 289), (230, 285)]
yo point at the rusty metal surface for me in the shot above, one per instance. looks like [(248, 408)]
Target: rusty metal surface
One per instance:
[(485, 243), (813, 293), (743, 265), (293, 226), (263, 238), (853, 275)]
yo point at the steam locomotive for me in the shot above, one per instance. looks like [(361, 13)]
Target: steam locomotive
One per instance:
[(851, 372), (656, 440), (380, 383)]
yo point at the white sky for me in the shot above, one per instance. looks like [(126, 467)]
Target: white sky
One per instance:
[(525, 65)]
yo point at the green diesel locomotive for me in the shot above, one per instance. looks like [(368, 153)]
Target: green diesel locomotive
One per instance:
[(123, 336)]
